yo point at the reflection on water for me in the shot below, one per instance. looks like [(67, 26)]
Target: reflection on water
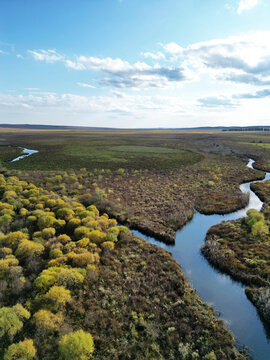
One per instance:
[(224, 294)]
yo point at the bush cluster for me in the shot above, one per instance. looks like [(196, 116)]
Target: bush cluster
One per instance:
[(48, 247)]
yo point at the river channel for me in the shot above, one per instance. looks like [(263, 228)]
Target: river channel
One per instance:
[(26, 153), (225, 295)]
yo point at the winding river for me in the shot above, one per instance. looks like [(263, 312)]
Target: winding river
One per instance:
[(225, 295)]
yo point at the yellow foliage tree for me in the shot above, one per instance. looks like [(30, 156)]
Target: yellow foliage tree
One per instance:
[(24, 350)]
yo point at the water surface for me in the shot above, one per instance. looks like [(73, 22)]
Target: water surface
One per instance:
[(224, 294), (27, 152)]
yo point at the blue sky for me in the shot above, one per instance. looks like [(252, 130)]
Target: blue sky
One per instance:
[(135, 63)]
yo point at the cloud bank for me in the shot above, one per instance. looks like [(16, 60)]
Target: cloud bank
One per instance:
[(245, 5)]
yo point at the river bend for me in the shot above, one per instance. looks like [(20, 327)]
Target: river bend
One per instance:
[(26, 153), (225, 295)]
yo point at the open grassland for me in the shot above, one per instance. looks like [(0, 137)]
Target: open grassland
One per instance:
[(156, 202), (152, 181), (8, 153), (69, 274), (99, 151), (260, 144)]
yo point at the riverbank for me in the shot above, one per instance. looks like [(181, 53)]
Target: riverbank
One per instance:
[(241, 248), (227, 296)]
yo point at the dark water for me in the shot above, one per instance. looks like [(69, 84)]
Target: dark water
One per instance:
[(27, 152), (225, 295)]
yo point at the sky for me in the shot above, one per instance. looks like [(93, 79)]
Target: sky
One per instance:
[(135, 63)]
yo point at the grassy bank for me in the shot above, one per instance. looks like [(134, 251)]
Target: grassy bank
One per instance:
[(241, 248)]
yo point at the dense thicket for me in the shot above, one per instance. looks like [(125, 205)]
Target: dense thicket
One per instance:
[(74, 284)]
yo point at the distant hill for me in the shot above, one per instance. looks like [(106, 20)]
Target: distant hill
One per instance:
[(60, 127)]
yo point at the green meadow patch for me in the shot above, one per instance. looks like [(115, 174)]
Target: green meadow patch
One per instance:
[(262, 145), (61, 151), (145, 149)]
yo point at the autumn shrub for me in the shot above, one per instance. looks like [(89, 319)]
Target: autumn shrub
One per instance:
[(11, 320), (256, 222), (27, 249), (78, 345), (66, 277), (47, 321), (64, 239), (81, 260), (48, 233), (65, 213), (73, 223), (46, 221), (111, 237), (81, 232), (24, 350), (107, 246), (260, 228), (55, 253), (84, 242), (58, 296), (97, 236), (13, 239)]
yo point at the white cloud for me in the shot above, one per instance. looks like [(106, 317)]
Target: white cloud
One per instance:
[(19, 56), (241, 59), (245, 5), (134, 110), (49, 56), (158, 56), (74, 65), (85, 85), (217, 101), (173, 48), (122, 74), (118, 102)]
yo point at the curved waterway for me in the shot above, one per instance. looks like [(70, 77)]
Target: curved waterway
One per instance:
[(225, 295), (26, 153)]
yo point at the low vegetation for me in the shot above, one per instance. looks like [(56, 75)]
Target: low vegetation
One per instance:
[(156, 202), (8, 153), (74, 284), (241, 248), (90, 150), (262, 189), (70, 275)]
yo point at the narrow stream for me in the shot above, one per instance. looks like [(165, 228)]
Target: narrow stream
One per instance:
[(26, 153), (224, 294)]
